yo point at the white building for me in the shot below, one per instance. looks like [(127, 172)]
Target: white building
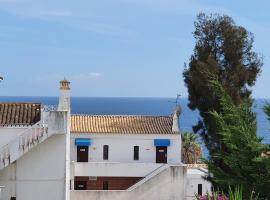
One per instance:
[(50, 154), (195, 184)]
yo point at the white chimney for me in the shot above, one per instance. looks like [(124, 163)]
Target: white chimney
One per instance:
[(64, 98), (177, 112)]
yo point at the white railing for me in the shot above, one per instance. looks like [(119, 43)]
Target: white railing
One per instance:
[(24, 142), (48, 108)]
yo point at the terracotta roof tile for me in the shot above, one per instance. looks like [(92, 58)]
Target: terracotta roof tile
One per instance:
[(13, 114), (121, 124)]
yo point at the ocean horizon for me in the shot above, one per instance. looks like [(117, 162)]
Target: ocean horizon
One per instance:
[(157, 106)]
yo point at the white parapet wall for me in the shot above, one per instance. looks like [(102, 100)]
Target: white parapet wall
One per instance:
[(113, 169), (169, 184), (38, 172), (10, 133)]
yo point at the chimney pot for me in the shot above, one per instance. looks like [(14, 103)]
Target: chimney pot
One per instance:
[(177, 112), (64, 98), (64, 84)]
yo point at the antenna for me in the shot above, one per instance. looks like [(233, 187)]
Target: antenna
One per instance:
[(176, 100)]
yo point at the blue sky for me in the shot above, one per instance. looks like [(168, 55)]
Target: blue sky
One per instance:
[(132, 48)]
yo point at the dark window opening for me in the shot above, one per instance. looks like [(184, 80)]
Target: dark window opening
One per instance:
[(199, 189), (161, 154), (82, 153), (105, 185), (136, 153), (106, 152), (80, 185)]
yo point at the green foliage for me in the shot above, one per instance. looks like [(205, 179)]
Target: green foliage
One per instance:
[(239, 161), (237, 194), (223, 51), (267, 110), (191, 149)]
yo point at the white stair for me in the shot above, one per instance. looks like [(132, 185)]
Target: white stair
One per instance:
[(149, 176), (54, 123)]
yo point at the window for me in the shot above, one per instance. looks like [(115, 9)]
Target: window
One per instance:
[(82, 153), (105, 152), (80, 185), (105, 183), (199, 189), (136, 153)]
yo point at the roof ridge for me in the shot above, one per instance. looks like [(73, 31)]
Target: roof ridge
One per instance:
[(20, 103), (124, 124), (94, 115)]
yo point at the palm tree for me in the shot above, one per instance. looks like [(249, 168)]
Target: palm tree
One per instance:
[(191, 149)]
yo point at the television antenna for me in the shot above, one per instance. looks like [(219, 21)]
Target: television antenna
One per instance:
[(176, 100)]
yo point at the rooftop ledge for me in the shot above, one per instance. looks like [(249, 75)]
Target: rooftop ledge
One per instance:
[(115, 169)]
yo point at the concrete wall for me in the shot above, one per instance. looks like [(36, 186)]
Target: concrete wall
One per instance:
[(195, 177), (121, 147), (113, 169), (8, 134), (7, 177), (167, 185), (39, 174)]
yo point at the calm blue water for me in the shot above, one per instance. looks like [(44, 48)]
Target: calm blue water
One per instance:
[(140, 106)]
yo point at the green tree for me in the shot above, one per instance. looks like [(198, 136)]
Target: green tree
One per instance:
[(223, 50), (242, 162), (267, 110), (191, 149)]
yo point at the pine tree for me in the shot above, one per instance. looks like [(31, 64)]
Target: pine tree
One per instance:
[(242, 163), (224, 51), (267, 110)]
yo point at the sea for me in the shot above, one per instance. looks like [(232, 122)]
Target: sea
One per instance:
[(143, 106)]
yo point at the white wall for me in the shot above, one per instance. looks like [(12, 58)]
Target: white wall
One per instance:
[(8, 134), (39, 174), (113, 169), (167, 185), (7, 177), (195, 177), (121, 147)]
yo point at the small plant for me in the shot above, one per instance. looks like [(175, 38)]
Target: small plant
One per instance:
[(237, 194)]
